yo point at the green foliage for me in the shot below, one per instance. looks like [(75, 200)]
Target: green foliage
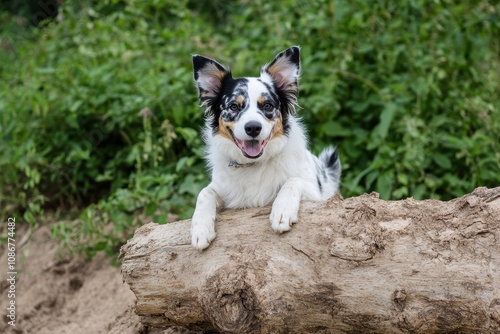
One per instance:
[(103, 111), (99, 111)]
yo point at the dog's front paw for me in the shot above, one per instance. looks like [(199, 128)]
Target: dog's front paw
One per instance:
[(202, 233), (283, 215)]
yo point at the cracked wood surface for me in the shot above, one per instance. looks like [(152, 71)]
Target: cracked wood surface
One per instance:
[(349, 265)]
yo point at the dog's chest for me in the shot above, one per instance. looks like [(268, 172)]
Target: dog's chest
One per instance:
[(245, 187)]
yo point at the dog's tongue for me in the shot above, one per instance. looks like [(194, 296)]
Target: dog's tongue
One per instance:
[(252, 147)]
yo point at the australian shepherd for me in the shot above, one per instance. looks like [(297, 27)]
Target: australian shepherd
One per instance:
[(256, 147)]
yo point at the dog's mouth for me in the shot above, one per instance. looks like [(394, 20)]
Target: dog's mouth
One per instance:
[(251, 148)]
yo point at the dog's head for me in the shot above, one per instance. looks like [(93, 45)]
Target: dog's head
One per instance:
[(250, 112)]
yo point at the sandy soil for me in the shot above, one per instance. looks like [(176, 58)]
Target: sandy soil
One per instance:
[(55, 295)]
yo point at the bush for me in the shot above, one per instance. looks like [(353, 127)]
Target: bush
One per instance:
[(100, 112)]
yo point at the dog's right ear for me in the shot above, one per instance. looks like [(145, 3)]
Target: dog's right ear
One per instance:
[(208, 75)]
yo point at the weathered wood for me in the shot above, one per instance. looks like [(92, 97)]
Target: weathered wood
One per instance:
[(360, 265)]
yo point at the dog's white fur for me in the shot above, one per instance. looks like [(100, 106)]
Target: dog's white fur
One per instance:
[(283, 175)]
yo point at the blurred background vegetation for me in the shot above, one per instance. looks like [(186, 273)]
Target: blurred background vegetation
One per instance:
[(100, 123)]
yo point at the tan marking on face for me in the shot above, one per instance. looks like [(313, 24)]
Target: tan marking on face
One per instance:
[(240, 99), (278, 129), (223, 131), (261, 99)]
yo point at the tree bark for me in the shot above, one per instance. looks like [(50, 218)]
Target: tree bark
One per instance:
[(360, 265)]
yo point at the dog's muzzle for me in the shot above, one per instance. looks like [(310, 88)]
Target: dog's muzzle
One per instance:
[(252, 148)]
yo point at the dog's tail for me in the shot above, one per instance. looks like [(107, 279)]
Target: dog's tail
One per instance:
[(331, 163)]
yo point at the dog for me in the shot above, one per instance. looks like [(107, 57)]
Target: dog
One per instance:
[(256, 147)]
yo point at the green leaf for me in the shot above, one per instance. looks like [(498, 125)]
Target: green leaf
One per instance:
[(385, 183), (442, 160), (151, 208), (332, 128), (386, 117), (100, 245), (418, 192)]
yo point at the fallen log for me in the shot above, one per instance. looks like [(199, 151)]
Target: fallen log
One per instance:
[(349, 265)]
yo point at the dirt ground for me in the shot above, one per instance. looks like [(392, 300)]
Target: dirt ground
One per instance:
[(54, 295)]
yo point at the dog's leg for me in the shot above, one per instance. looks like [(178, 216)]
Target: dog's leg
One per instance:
[(285, 209), (203, 221)]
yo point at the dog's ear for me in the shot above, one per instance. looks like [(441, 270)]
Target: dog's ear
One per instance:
[(208, 75), (284, 70)]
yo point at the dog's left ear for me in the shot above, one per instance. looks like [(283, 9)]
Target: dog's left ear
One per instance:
[(284, 70), (209, 76)]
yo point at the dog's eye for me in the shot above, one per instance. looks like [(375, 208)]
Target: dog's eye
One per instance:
[(234, 107), (267, 107)]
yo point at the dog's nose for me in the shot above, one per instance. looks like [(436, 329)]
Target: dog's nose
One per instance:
[(253, 128)]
